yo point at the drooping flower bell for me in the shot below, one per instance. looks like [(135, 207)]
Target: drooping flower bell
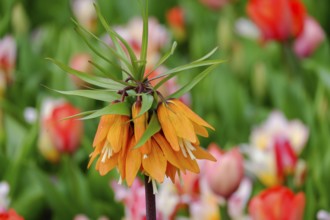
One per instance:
[(141, 130)]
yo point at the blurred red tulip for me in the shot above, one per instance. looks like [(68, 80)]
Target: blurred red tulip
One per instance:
[(285, 157), (224, 176), (277, 203), (58, 135), (175, 19), (10, 215), (277, 19), (310, 39)]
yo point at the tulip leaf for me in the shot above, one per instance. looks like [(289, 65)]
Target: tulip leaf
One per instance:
[(173, 72), (120, 108), (147, 101), (94, 80), (192, 83), (152, 129), (102, 95)]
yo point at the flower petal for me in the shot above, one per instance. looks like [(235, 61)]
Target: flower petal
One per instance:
[(107, 165), (190, 114), (167, 127), (200, 153), (103, 128), (133, 163), (155, 163)]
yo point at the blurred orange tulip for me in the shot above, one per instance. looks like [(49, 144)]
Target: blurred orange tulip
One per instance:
[(277, 203)]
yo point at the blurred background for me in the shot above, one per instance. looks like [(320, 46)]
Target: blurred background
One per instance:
[(269, 103)]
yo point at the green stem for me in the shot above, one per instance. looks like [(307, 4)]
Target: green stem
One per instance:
[(291, 59), (224, 212)]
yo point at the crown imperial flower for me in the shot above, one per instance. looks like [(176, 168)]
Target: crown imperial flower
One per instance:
[(141, 130)]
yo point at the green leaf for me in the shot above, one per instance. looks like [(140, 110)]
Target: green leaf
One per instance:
[(114, 36), (144, 47), (121, 56), (79, 114), (120, 108), (147, 101), (192, 83), (173, 72), (163, 59), (152, 129), (106, 73), (94, 80), (102, 95), (207, 55)]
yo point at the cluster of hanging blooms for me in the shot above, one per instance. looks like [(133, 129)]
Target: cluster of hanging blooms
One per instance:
[(141, 130)]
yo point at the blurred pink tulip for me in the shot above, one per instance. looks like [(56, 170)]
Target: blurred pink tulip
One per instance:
[(239, 199), (58, 135), (7, 61), (311, 37), (81, 63), (224, 176), (133, 199), (4, 200), (158, 37), (85, 13), (215, 4)]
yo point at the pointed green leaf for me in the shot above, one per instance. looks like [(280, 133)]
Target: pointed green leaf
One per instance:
[(102, 95), (114, 36), (147, 101), (192, 83), (173, 72), (207, 55), (106, 73), (120, 108), (163, 59), (144, 46), (79, 114), (120, 56), (94, 80), (152, 129)]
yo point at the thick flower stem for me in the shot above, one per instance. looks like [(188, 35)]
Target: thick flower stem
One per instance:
[(150, 200)]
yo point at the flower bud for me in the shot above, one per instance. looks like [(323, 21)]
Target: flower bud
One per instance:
[(224, 176)]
